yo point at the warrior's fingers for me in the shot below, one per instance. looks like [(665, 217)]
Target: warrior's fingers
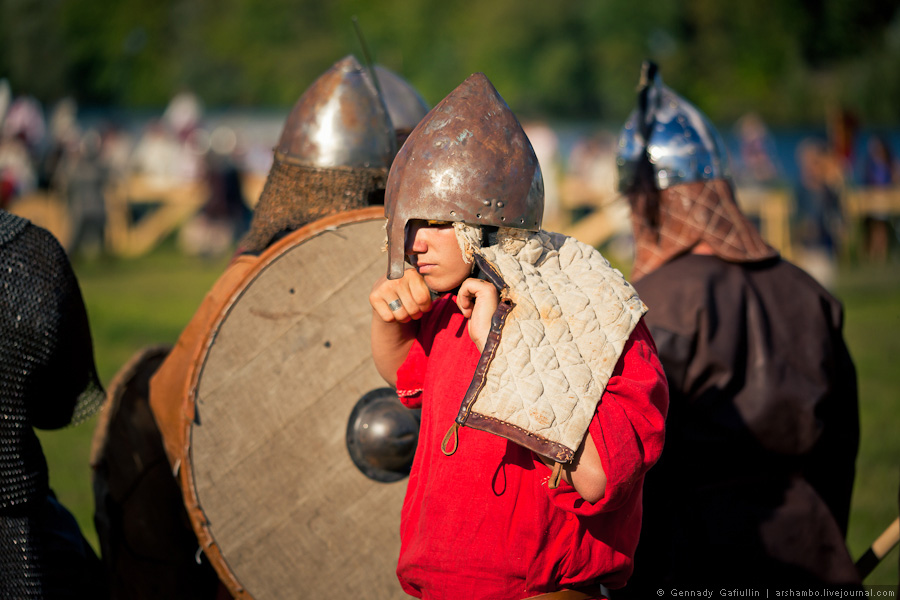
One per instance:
[(419, 292), (471, 291), (380, 307), (384, 300), (404, 306)]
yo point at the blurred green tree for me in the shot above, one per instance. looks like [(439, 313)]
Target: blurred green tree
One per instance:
[(789, 60)]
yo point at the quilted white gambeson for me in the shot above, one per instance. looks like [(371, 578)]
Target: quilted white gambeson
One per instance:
[(571, 315)]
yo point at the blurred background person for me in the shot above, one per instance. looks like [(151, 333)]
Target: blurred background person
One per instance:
[(843, 129), (592, 164), (83, 180), (224, 218), (17, 172), (818, 227), (5, 99), (64, 139), (157, 154), (183, 114), (25, 122), (879, 170), (116, 146), (21, 135), (47, 380), (599, 216), (166, 151), (754, 484), (758, 165)]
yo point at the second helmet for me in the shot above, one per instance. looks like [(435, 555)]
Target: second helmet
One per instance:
[(679, 142)]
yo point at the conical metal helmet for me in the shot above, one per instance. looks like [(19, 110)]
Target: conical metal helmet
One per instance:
[(339, 122), (335, 150), (468, 160), (681, 144)]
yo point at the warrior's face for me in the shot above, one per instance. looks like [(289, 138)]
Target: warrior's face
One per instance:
[(433, 249)]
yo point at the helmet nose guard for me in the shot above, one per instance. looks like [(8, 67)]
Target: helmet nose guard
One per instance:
[(679, 141), (468, 160)]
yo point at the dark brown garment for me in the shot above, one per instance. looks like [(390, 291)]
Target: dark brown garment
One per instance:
[(755, 479)]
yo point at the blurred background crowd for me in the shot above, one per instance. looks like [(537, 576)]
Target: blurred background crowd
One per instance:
[(121, 182), (92, 180), (126, 123)]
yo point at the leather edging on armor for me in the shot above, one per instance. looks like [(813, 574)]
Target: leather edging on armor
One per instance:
[(520, 436)]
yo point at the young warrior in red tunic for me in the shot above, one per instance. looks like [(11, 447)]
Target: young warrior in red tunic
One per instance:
[(500, 328)]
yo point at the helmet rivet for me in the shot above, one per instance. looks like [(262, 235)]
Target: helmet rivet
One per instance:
[(486, 202), (478, 215), (452, 213), (500, 205)]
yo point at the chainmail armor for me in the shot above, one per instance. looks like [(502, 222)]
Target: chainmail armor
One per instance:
[(20, 571), (295, 195), (47, 379)]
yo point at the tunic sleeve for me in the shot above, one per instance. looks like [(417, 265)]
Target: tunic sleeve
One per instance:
[(628, 427)]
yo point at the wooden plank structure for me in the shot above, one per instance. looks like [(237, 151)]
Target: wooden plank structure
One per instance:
[(46, 210), (772, 208), (168, 204), (609, 214), (171, 204)]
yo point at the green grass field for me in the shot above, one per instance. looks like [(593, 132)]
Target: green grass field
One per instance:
[(149, 300), (871, 297)]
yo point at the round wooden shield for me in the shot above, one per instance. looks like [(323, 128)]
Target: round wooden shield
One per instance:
[(276, 500)]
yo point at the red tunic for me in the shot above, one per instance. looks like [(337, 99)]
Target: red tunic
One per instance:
[(482, 523)]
